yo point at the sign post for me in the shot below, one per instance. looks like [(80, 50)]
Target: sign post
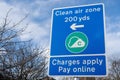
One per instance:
[(78, 41)]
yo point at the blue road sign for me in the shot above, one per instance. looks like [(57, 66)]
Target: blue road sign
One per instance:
[(78, 36), (78, 66), (78, 30)]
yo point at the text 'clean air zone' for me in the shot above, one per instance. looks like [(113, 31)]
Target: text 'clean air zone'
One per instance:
[(75, 12)]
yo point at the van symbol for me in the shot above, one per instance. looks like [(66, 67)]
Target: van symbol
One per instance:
[(76, 42)]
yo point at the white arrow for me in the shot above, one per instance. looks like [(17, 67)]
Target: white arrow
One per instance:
[(74, 26)]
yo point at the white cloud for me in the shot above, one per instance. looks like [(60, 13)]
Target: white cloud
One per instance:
[(3, 9), (38, 31), (113, 43), (113, 37)]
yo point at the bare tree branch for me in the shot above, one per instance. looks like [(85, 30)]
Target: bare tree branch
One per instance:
[(22, 60)]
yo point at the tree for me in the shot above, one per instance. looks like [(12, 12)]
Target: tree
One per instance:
[(8, 31), (19, 60), (24, 62), (114, 70)]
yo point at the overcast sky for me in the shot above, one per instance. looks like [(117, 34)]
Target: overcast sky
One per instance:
[(39, 19)]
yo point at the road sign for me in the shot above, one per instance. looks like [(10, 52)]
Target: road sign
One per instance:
[(73, 22), (78, 41), (78, 66)]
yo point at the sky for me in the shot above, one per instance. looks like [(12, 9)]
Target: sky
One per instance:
[(39, 19)]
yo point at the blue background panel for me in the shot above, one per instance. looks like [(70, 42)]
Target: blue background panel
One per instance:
[(93, 28), (100, 70)]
